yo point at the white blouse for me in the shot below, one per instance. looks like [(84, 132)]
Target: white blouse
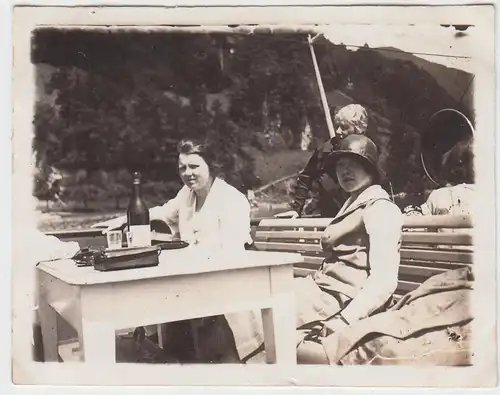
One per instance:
[(455, 200), (222, 222)]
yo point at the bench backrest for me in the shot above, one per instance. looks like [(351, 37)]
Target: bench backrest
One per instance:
[(430, 245), (428, 248)]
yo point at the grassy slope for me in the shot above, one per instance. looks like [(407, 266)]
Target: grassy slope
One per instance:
[(273, 165)]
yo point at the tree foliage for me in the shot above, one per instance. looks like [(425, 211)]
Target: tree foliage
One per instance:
[(124, 100)]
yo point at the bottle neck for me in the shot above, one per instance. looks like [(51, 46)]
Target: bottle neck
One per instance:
[(136, 189)]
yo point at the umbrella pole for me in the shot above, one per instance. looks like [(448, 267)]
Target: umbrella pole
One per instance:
[(326, 108)]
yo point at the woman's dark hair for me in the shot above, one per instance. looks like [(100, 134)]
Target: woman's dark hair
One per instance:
[(203, 148)]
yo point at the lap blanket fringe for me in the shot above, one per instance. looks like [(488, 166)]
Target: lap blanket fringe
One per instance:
[(428, 326)]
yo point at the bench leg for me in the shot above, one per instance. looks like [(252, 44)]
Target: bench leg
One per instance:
[(279, 332), (159, 330)]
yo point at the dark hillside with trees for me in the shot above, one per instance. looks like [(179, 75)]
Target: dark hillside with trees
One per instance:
[(111, 103)]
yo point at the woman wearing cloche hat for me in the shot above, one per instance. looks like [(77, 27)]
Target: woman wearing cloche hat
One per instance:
[(360, 272)]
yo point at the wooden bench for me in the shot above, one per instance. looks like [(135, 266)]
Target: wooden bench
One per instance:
[(430, 245)]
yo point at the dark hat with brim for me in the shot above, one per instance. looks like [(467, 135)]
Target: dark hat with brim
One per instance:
[(361, 147)]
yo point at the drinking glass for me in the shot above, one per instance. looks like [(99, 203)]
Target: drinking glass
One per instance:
[(129, 239), (114, 239)]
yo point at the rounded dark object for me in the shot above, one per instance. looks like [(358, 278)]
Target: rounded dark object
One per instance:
[(446, 129), (361, 147)]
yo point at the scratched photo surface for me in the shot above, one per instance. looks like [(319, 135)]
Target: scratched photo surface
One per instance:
[(319, 191)]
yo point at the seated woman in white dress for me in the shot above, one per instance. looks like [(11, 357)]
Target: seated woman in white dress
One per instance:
[(207, 212)]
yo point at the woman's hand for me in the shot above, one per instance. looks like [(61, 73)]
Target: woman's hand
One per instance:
[(112, 224), (329, 237), (287, 214)]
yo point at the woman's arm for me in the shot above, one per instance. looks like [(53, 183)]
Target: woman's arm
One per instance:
[(428, 207), (235, 223), (311, 172), (169, 212), (51, 248), (304, 181), (383, 222)]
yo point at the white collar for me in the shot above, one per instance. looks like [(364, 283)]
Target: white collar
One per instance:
[(216, 189), (373, 191)]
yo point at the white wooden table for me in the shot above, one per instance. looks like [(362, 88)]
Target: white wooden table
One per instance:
[(186, 284)]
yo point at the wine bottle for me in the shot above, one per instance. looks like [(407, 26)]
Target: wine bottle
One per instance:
[(138, 223)]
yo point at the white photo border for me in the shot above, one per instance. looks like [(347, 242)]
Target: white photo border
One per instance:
[(25, 371)]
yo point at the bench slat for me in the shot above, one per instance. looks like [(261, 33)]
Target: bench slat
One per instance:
[(437, 221), (410, 221), (406, 253), (418, 271), (434, 264), (295, 247), (437, 238), (288, 234), (406, 286), (427, 238), (437, 255)]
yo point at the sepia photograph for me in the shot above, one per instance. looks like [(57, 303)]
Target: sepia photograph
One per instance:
[(293, 196)]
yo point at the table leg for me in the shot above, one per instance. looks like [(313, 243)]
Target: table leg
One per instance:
[(48, 323), (97, 342), (279, 331), (159, 330), (163, 339)]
